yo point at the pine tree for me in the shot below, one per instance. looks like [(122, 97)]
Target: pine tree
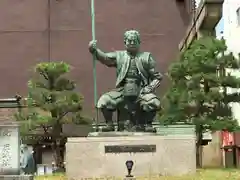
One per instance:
[(198, 93), (51, 102)]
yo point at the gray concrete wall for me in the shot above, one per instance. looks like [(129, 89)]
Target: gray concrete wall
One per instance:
[(212, 153)]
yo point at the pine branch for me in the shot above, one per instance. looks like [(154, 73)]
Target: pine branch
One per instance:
[(51, 96), (198, 92), (44, 75)]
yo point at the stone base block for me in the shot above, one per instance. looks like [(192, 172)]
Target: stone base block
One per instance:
[(16, 177), (129, 178), (91, 157)]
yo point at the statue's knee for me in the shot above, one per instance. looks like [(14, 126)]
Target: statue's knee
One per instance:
[(151, 105), (145, 107), (157, 104), (103, 101), (106, 101)]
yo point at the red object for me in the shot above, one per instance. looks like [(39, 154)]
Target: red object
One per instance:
[(227, 138)]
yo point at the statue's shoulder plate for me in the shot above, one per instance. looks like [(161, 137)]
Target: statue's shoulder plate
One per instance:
[(144, 57), (121, 55)]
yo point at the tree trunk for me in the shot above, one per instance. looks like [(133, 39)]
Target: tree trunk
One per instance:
[(57, 139), (199, 148), (198, 155), (57, 154)]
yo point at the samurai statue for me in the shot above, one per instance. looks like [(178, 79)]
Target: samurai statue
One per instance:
[(137, 80)]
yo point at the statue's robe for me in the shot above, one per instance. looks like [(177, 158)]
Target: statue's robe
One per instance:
[(146, 68)]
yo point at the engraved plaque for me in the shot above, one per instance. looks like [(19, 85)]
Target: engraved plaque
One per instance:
[(9, 149), (130, 148)]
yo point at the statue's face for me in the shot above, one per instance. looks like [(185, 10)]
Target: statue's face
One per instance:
[(132, 43)]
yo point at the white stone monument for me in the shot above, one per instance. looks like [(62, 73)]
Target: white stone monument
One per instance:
[(9, 149), (10, 153)]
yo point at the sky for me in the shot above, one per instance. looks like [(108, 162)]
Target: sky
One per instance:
[(219, 27), (197, 2)]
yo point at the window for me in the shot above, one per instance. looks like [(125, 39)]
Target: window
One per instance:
[(238, 16)]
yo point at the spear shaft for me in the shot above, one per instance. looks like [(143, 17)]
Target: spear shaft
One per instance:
[(94, 55), (94, 62)]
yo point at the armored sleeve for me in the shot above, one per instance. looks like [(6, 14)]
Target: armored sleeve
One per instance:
[(155, 77), (108, 59)]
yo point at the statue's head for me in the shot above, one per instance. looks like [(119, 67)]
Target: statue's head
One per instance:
[(132, 41), (23, 148)]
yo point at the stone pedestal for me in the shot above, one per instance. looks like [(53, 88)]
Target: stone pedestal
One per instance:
[(92, 157)]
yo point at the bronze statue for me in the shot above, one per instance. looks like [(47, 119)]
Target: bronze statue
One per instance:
[(136, 82)]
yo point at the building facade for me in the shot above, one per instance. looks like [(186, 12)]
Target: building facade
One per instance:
[(33, 31), (229, 29)]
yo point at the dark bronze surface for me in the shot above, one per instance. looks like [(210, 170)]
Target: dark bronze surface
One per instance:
[(130, 148)]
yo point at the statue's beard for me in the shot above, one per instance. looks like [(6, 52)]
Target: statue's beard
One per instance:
[(132, 49)]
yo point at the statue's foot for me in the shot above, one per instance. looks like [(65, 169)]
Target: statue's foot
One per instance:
[(128, 126), (140, 128), (150, 129), (109, 127)]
